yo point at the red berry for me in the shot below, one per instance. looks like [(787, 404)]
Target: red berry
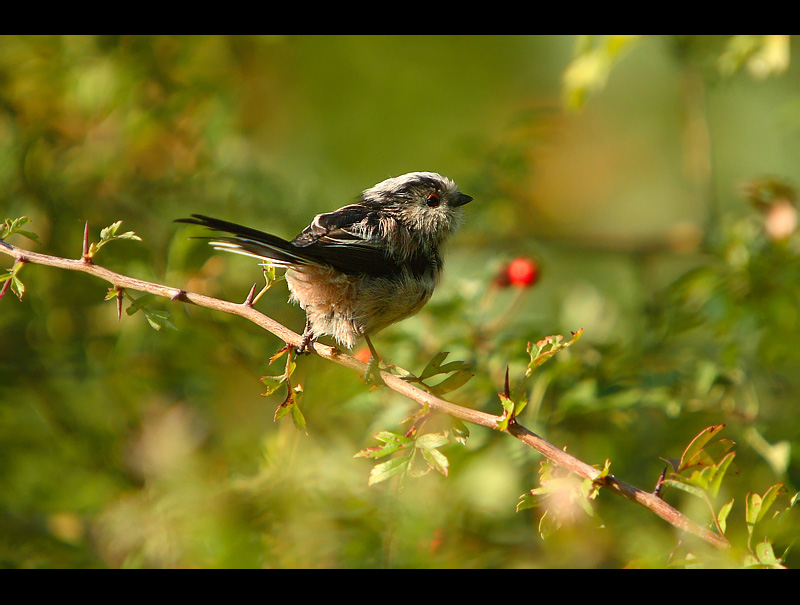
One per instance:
[(522, 272), (363, 355)]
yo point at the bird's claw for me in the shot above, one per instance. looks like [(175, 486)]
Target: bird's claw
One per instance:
[(372, 375), (304, 348)]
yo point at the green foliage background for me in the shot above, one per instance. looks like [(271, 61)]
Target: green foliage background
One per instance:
[(622, 164)]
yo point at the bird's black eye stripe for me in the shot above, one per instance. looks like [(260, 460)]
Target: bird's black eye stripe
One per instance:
[(416, 184), (433, 200)]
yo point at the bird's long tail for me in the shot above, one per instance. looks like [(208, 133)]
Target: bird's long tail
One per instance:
[(249, 242)]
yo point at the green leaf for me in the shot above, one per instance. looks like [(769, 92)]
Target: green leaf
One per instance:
[(281, 411), (14, 282), (711, 453), (392, 442), (291, 402), (435, 366), (766, 555), (159, 320), (548, 525), (519, 405), (752, 510), (769, 498), (459, 431), (750, 560), (17, 287), (271, 275), (689, 489), (386, 470), (722, 516), (527, 501), (290, 405), (758, 506), (721, 469), (12, 226), (109, 234), (431, 440), (592, 486), (451, 383), (693, 450), (540, 353), (297, 417), (508, 412), (436, 460), (272, 383)]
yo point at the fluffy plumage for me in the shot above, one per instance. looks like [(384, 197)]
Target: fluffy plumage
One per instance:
[(365, 266)]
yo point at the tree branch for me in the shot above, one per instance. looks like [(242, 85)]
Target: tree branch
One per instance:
[(650, 501)]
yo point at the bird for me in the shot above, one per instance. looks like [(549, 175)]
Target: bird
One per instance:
[(365, 266)]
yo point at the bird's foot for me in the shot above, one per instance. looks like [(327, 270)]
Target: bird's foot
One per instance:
[(372, 375), (305, 348)]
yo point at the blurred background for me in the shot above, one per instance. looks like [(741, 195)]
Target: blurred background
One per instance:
[(647, 182)]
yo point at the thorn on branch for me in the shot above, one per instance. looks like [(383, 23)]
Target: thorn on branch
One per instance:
[(119, 303), (248, 302), (85, 255), (660, 483)]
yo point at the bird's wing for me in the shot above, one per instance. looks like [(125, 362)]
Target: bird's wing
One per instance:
[(347, 239)]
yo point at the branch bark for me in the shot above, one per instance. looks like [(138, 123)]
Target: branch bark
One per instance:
[(648, 500)]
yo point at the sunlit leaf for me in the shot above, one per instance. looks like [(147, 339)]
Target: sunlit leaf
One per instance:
[(159, 320), (272, 383), (721, 469), (451, 383), (689, 489), (766, 555), (431, 440), (548, 525), (437, 460), (722, 516), (12, 226), (386, 470), (694, 448), (109, 234), (459, 431), (392, 442), (435, 366)]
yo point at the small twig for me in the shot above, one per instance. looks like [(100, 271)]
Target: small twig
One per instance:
[(648, 500)]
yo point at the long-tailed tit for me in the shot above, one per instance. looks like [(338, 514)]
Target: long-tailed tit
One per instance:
[(364, 266)]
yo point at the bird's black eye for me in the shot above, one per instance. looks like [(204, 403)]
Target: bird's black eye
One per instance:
[(433, 200)]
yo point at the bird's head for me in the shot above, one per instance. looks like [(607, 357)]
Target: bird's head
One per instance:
[(425, 202)]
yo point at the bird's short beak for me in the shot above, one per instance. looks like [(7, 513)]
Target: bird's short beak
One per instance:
[(461, 200)]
